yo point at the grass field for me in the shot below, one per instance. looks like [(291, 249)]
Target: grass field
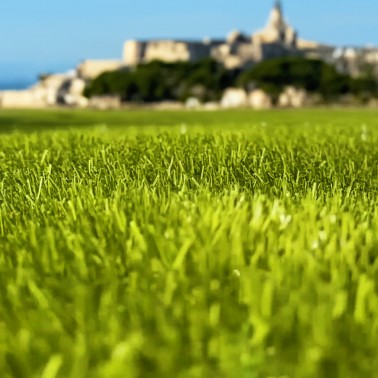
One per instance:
[(189, 245)]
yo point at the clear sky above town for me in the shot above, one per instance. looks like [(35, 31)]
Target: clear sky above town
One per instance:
[(54, 35)]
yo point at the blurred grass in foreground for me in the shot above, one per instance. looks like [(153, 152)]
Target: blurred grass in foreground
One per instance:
[(231, 244)]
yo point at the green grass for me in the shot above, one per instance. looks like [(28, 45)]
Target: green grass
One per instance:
[(230, 244)]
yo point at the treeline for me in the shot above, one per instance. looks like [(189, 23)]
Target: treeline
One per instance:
[(315, 76), (158, 81), (207, 79)]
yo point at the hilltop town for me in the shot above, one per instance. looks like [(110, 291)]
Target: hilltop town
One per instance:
[(238, 51)]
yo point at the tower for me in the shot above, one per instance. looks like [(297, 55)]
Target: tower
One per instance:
[(278, 5), (276, 19), (277, 30)]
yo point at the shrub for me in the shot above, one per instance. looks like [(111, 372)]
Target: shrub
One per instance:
[(158, 81), (207, 79), (309, 74)]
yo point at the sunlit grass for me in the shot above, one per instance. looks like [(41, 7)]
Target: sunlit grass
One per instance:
[(195, 250)]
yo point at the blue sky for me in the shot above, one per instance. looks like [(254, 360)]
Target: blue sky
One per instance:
[(49, 35)]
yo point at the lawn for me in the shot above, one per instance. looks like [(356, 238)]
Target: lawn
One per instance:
[(189, 244)]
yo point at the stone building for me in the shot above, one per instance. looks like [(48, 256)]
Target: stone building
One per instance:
[(136, 52), (89, 69), (277, 30), (238, 50)]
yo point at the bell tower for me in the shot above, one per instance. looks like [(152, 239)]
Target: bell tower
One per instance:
[(277, 30), (276, 19)]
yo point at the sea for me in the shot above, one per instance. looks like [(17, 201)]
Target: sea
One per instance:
[(15, 85)]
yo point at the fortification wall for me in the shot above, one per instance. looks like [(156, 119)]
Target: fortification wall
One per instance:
[(167, 51), (304, 44), (277, 50), (199, 51), (237, 55), (90, 69), (20, 99), (133, 52), (371, 56)]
